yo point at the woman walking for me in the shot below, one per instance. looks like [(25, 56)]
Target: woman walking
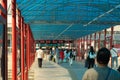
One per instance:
[(91, 55)]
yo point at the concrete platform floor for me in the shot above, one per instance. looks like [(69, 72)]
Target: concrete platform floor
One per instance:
[(61, 71)]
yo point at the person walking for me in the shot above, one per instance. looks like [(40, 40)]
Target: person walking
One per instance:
[(56, 55), (40, 57), (61, 55), (91, 60), (65, 55), (102, 71), (70, 53), (74, 54), (114, 57)]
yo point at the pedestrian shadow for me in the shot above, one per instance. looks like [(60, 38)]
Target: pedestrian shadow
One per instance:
[(76, 70)]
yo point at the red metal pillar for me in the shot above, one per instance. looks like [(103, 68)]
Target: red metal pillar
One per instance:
[(4, 3), (78, 50), (90, 39), (28, 40), (28, 51), (34, 50), (5, 74), (80, 43), (111, 38), (14, 48), (87, 43), (19, 19), (99, 40), (19, 34), (30, 58), (83, 48), (105, 37), (22, 48), (84, 43), (95, 41)]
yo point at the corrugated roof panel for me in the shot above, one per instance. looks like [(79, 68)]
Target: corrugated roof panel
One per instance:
[(69, 18)]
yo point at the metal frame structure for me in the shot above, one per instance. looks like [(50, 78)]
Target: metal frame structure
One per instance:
[(97, 42), (56, 20), (3, 21), (49, 18), (27, 54)]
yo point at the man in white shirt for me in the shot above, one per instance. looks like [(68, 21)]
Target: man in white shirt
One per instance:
[(40, 57), (56, 55), (114, 56)]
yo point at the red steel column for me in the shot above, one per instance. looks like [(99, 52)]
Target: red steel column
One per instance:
[(105, 37), (19, 26), (90, 39), (22, 48), (28, 41), (14, 47), (28, 51), (95, 41), (81, 46), (99, 40), (30, 58), (5, 74), (80, 43), (4, 5), (87, 43), (84, 44), (19, 19), (34, 50), (25, 39), (111, 38), (84, 48)]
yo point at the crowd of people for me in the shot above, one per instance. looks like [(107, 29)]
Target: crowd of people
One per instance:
[(62, 55), (96, 62), (57, 55)]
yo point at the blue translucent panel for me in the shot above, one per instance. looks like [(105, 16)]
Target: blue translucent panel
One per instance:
[(87, 16)]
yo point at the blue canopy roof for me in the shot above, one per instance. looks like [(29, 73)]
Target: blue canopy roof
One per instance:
[(69, 19)]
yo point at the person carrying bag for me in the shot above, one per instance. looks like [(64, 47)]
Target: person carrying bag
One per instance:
[(114, 56)]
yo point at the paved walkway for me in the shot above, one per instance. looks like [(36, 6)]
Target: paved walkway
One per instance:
[(62, 71), (76, 70)]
